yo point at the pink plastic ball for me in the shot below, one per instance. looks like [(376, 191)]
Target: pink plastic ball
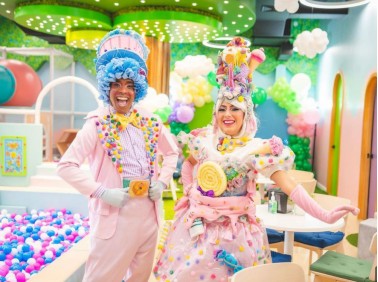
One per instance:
[(29, 268), (4, 270), (37, 265), (20, 277)]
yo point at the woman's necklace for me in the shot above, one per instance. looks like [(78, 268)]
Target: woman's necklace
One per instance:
[(228, 145)]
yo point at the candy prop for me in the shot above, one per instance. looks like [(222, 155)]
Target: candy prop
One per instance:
[(257, 57), (212, 177), (139, 188), (229, 260), (164, 234)]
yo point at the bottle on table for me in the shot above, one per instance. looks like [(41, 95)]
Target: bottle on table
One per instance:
[(272, 204)]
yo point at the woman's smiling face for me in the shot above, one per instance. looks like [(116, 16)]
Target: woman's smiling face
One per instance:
[(122, 95), (230, 119)]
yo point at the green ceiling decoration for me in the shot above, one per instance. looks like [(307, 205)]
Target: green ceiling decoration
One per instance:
[(13, 36), (57, 19), (175, 23), (83, 22)]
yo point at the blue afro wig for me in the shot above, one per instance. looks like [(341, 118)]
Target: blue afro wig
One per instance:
[(119, 68)]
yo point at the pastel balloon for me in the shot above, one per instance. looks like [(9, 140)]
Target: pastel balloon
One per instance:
[(199, 102), (7, 84), (28, 83), (259, 96), (185, 114), (311, 116), (301, 84), (211, 78)]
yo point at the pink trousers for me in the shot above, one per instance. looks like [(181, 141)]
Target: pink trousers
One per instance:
[(130, 251)]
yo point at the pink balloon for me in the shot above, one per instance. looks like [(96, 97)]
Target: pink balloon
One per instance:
[(291, 130), (311, 116), (184, 114)]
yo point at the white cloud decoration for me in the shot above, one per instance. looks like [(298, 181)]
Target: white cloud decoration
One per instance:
[(192, 66), (290, 5), (311, 43), (154, 101)]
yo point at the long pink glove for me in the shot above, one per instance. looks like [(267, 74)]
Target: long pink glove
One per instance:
[(187, 181), (300, 196), (187, 176)]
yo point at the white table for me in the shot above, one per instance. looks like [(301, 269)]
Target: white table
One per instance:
[(290, 223)]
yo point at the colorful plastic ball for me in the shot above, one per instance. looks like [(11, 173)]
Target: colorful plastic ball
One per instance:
[(7, 249), (20, 277), (7, 84), (4, 269), (28, 84), (2, 256)]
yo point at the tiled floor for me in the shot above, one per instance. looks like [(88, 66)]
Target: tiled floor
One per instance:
[(301, 256)]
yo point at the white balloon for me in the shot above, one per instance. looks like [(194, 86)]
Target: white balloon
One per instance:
[(191, 66), (279, 6), (293, 7), (301, 84), (151, 91)]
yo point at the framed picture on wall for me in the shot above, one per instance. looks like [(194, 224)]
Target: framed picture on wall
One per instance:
[(13, 160)]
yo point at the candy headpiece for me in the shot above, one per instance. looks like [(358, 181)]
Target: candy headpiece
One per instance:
[(235, 68), (122, 54)]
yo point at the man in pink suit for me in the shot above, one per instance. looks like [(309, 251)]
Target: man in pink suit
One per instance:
[(121, 142)]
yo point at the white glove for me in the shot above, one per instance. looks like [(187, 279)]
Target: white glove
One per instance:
[(156, 189), (115, 197)]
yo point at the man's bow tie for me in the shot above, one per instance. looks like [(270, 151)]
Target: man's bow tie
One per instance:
[(124, 120)]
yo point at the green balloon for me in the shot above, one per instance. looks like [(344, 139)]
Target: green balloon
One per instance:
[(298, 164), (212, 78), (306, 141), (259, 96), (293, 139), (163, 113), (307, 166)]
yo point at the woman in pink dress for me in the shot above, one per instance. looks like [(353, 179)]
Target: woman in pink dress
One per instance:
[(215, 232)]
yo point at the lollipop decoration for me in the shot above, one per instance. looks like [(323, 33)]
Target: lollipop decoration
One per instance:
[(211, 177)]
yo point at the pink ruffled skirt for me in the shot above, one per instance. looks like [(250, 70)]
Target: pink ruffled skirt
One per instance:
[(184, 259)]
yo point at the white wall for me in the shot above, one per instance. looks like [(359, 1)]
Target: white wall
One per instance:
[(352, 52)]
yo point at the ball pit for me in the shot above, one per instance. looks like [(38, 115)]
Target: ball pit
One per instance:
[(29, 242)]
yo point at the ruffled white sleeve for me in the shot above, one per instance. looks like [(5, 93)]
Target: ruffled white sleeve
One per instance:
[(267, 164)]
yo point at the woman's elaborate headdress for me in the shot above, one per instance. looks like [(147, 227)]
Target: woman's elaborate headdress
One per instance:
[(236, 64), (122, 54)]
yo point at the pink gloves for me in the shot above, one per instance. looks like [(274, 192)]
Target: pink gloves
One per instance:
[(300, 196), (187, 180), (187, 176)]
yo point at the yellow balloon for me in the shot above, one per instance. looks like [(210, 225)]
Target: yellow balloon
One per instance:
[(187, 99), (199, 101), (208, 98)]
